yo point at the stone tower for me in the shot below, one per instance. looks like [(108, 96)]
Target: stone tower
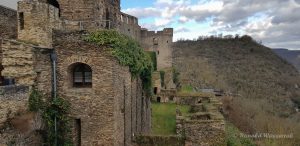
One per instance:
[(161, 43), (36, 20)]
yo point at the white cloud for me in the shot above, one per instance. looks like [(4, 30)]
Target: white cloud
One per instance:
[(275, 22)]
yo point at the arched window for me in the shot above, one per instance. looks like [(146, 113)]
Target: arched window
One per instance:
[(53, 3), (82, 75)]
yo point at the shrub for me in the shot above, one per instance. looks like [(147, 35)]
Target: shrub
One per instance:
[(57, 108)]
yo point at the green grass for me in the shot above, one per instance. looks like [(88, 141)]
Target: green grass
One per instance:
[(233, 137), (164, 117), (187, 89)]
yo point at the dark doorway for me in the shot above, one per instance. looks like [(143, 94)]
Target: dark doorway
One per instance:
[(78, 132), (158, 99), (107, 19), (155, 90), (171, 98)]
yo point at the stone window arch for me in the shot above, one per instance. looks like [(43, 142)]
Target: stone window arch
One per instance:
[(53, 3), (81, 75)]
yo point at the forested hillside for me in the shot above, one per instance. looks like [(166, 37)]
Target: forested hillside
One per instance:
[(262, 89)]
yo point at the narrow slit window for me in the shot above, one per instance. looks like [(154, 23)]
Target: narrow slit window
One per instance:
[(21, 20)]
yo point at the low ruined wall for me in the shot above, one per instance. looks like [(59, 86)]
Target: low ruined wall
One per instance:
[(205, 125), (12, 100), (190, 100), (205, 133), (143, 140), (17, 125)]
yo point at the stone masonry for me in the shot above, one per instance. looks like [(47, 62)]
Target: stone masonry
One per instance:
[(113, 98), (8, 23), (110, 112)]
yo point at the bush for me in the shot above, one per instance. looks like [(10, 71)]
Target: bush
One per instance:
[(57, 108), (233, 137)]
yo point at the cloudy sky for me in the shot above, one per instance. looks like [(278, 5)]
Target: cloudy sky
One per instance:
[(274, 22)]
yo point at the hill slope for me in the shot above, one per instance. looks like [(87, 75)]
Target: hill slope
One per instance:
[(292, 56), (263, 85)]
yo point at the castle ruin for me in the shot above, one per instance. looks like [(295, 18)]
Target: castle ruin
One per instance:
[(108, 105)]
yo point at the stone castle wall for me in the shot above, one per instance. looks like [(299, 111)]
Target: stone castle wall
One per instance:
[(113, 109), (40, 18), (130, 27), (93, 14)]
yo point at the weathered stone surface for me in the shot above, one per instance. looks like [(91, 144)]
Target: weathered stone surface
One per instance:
[(39, 21), (16, 124), (18, 62), (161, 43), (147, 140), (8, 23), (13, 99), (205, 125), (113, 109)]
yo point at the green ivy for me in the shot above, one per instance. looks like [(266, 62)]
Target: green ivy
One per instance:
[(128, 52), (58, 108), (154, 59), (35, 101)]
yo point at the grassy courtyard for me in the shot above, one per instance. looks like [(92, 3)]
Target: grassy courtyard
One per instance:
[(164, 117)]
